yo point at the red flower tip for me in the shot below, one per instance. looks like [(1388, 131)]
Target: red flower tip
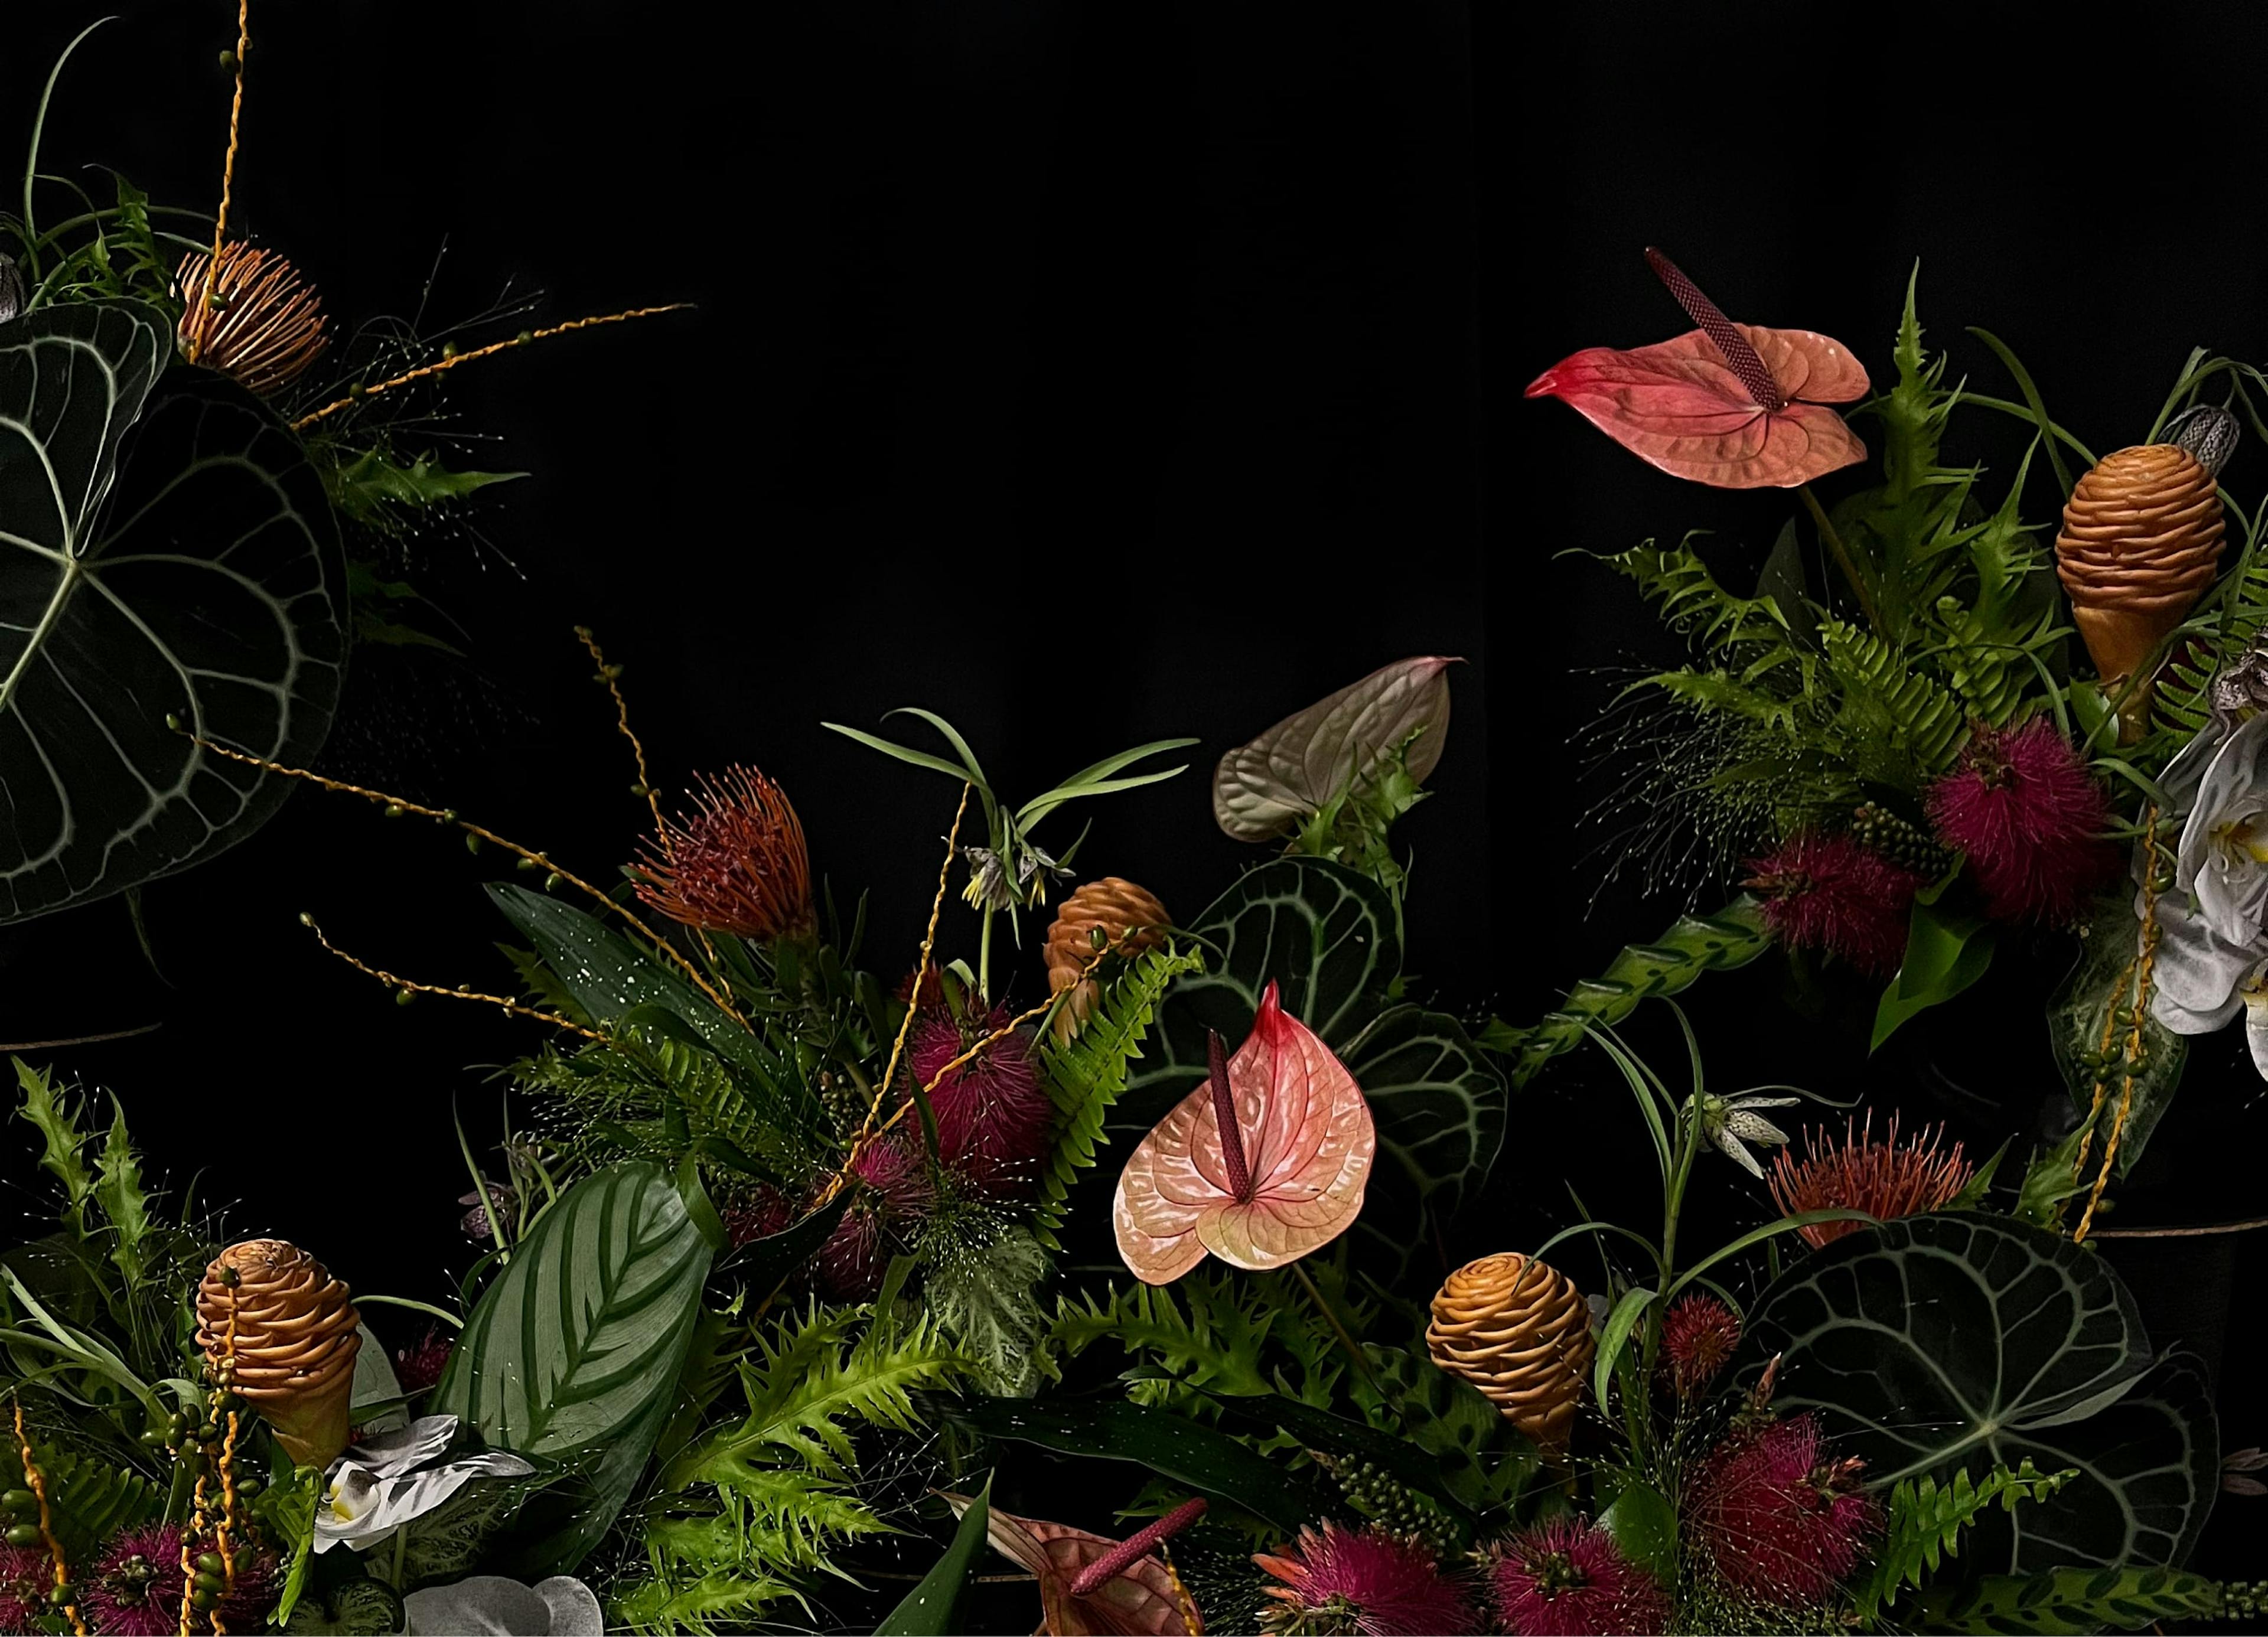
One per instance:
[(1698, 1334), (1886, 1180), (1828, 892), (994, 1117), (2031, 817), (1369, 1581), (1567, 1578), (737, 864), (1777, 1519), (418, 1369)]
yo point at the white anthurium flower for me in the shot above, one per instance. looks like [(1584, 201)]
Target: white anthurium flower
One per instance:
[(492, 1606), (377, 1487), (1732, 1123)]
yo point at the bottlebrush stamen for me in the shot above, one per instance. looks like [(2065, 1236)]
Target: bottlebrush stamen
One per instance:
[(1723, 334), (1224, 1112), (1136, 1546)]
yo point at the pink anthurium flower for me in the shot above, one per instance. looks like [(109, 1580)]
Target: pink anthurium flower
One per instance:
[(1263, 1163), (1091, 1587), (1734, 406)]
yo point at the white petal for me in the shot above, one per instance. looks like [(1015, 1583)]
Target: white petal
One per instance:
[(575, 1611), (1731, 1145), (392, 1453), (486, 1605), (394, 1502), (2194, 968), (1752, 1127), (1763, 1102)]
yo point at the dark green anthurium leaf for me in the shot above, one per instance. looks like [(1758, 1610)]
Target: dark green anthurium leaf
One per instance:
[(166, 552), (2065, 1602), (1327, 935), (1958, 1340), (573, 1354), (932, 1609), (1947, 951), (1176, 1448)]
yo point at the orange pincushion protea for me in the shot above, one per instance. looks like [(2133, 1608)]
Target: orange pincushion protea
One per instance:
[(737, 864), (1885, 1180), (254, 320)]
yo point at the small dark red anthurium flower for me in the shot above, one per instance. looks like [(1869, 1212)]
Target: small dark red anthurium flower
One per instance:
[(1733, 406)]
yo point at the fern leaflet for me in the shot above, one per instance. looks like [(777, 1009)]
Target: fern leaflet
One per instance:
[(1926, 1519)]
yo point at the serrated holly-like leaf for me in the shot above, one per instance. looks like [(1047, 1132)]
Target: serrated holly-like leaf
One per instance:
[(165, 550), (1955, 1341)]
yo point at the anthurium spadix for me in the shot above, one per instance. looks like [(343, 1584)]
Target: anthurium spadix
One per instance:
[(1264, 1163), (1733, 406)]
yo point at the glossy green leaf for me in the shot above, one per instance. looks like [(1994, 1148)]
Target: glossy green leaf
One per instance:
[(1615, 1337), (373, 482), (1955, 1340), (1644, 1524), (1177, 1449), (932, 1609), (573, 1353), (165, 551), (1947, 951)]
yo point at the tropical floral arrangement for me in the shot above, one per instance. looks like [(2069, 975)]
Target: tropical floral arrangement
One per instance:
[(1119, 1279)]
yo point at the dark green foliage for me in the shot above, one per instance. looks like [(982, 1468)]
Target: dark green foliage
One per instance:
[(2073, 1601), (1926, 1520)]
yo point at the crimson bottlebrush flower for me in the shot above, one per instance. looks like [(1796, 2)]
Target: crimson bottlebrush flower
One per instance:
[(737, 864), (26, 1574), (418, 1369), (1370, 1582), (1885, 1180), (1828, 892), (1779, 1520), (892, 1190), (1698, 1334), (2023, 807), (758, 1214), (993, 1116), (1568, 1578)]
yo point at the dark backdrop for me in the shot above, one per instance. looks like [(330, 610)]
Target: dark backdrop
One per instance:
[(1089, 374)]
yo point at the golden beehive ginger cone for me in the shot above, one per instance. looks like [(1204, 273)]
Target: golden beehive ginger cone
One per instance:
[(1129, 918), (1520, 1332), (2140, 542), (295, 1338)]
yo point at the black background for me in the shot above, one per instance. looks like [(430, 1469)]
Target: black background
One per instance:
[(1089, 374)]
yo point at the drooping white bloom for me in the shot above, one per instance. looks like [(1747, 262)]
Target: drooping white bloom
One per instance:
[(1732, 1123), (2212, 918), (490, 1604), (377, 1487)]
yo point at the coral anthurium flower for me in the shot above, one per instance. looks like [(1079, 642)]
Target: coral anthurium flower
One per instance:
[(1091, 1587), (1734, 406), (1261, 1165)]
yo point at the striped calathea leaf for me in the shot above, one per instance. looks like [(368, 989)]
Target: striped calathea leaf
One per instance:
[(1328, 936), (168, 562), (1958, 1340)]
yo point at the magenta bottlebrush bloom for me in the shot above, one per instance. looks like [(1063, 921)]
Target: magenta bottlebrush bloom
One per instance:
[(1568, 1578), (1828, 892), (26, 1574), (892, 1190), (1371, 1582), (993, 1116), (135, 1591), (2030, 817), (1779, 1520), (758, 1214), (1698, 1334)]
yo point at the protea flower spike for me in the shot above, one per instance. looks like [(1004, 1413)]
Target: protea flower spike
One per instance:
[(253, 320), (737, 864), (1885, 1180)]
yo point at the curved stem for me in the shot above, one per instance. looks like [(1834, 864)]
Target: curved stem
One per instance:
[(1860, 587)]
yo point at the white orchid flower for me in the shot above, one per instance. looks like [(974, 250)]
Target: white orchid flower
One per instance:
[(377, 1487), (2211, 939), (562, 1606), (1732, 1123)]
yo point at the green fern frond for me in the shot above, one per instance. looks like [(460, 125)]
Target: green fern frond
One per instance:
[(722, 1600), (1903, 724), (1926, 1520), (1740, 631), (1086, 1074), (1218, 1344), (89, 1500)]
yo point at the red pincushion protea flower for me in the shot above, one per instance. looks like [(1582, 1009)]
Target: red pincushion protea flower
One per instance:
[(993, 1116), (1885, 1180), (1567, 1578), (2030, 817), (1371, 1582), (419, 1369), (1779, 1521), (1828, 892), (26, 1573), (737, 864), (1698, 1334)]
